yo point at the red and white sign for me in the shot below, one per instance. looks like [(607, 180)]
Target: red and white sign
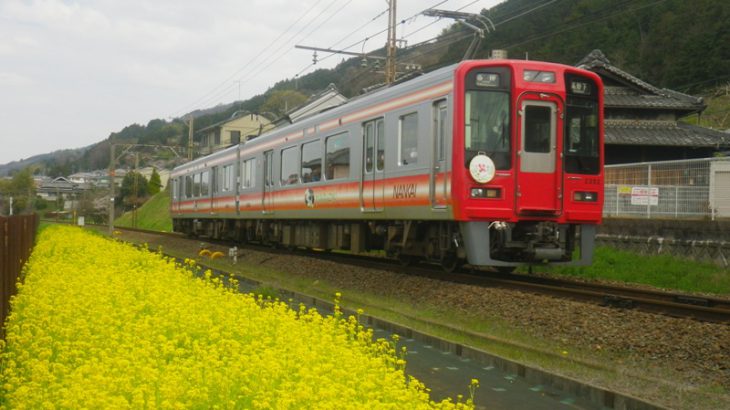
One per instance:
[(644, 195)]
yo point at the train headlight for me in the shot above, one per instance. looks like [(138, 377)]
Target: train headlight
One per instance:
[(490, 193), (582, 196)]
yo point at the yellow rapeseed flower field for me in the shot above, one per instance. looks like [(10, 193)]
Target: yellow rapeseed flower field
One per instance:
[(100, 324)]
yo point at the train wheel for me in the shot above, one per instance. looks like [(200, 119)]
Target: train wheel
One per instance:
[(450, 263), (406, 260)]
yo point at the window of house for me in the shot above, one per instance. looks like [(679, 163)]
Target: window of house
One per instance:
[(311, 162), (290, 166), (408, 139), (235, 137), (248, 170), (337, 157)]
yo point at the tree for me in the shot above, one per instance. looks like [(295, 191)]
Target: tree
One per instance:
[(127, 194), (22, 189), (279, 102), (155, 184)]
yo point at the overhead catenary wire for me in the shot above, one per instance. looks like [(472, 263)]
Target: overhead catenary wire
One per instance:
[(370, 37), (237, 72), (267, 62)]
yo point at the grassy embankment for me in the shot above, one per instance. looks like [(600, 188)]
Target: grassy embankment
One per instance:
[(153, 214)]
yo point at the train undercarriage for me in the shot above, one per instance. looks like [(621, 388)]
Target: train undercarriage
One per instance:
[(447, 243)]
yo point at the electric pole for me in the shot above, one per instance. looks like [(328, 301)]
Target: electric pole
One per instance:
[(190, 139), (111, 187), (390, 45)]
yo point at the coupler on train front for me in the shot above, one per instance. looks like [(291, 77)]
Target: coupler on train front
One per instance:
[(504, 244)]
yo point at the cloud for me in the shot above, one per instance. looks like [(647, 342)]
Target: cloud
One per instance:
[(9, 79)]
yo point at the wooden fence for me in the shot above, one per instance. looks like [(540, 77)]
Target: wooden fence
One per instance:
[(17, 235)]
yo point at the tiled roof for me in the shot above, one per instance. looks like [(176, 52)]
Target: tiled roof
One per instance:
[(624, 97), (597, 62), (663, 133)]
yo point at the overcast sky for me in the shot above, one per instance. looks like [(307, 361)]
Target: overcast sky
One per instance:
[(73, 71)]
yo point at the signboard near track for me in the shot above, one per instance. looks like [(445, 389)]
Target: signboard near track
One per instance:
[(644, 195)]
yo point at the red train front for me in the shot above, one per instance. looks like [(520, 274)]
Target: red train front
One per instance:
[(527, 178)]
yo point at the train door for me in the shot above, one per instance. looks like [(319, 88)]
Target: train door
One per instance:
[(268, 194), (539, 186), (372, 185), (439, 176)]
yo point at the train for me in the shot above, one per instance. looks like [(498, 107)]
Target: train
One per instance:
[(491, 163)]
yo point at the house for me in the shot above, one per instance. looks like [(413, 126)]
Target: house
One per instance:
[(642, 121), (326, 99), (61, 187), (241, 127)]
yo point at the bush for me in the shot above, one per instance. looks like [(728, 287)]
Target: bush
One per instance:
[(100, 324)]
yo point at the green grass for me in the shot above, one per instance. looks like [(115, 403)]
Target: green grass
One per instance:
[(153, 215), (662, 271)]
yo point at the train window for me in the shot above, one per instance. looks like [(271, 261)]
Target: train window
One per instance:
[(581, 142), (248, 177), (188, 186), (290, 166), (227, 178), (204, 183), (380, 143), (487, 126), (408, 139), (311, 162), (196, 185), (439, 129), (369, 144), (538, 128), (337, 159), (215, 180), (174, 188)]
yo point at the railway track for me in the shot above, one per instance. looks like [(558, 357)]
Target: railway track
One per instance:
[(701, 308)]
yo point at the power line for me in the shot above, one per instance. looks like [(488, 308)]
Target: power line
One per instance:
[(267, 61), (265, 49), (308, 66)]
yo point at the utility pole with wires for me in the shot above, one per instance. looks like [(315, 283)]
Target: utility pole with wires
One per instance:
[(390, 49), (390, 45)]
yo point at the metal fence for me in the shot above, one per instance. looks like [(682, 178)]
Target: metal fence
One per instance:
[(17, 234), (669, 189)]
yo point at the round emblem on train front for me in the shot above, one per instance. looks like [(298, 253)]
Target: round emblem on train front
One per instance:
[(481, 168)]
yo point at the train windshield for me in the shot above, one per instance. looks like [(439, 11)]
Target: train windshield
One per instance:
[(487, 127), (581, 139)]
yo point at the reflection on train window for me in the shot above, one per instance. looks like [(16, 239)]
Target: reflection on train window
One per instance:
[(248, 170), (196, 185), (290, 166), (581, 143), (374, 134), (337, 159), (538, 126), (380, 143), (227, 178), (369, 144), (204, 183), (487, 126), (311, 162), (188, 186), (408, 139)]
